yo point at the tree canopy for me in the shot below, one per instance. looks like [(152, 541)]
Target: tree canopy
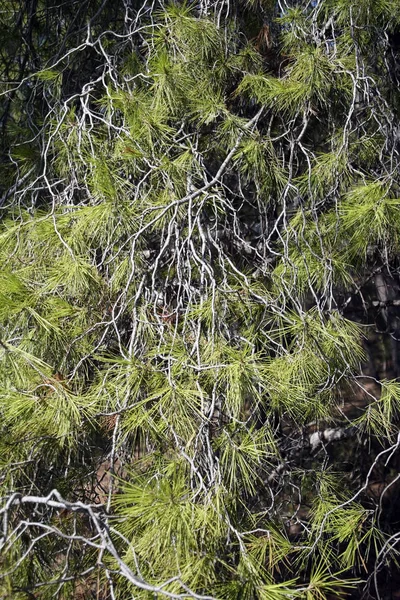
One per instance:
[(199, 299)]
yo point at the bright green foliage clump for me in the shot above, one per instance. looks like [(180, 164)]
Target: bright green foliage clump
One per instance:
[(187, 271)]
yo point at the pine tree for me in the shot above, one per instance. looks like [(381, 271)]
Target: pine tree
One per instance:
[(199, 299)]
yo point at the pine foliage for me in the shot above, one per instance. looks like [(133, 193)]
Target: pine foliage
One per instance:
[(192, 225)]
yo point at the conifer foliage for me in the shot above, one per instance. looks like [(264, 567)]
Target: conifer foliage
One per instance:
[(199, 292)]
